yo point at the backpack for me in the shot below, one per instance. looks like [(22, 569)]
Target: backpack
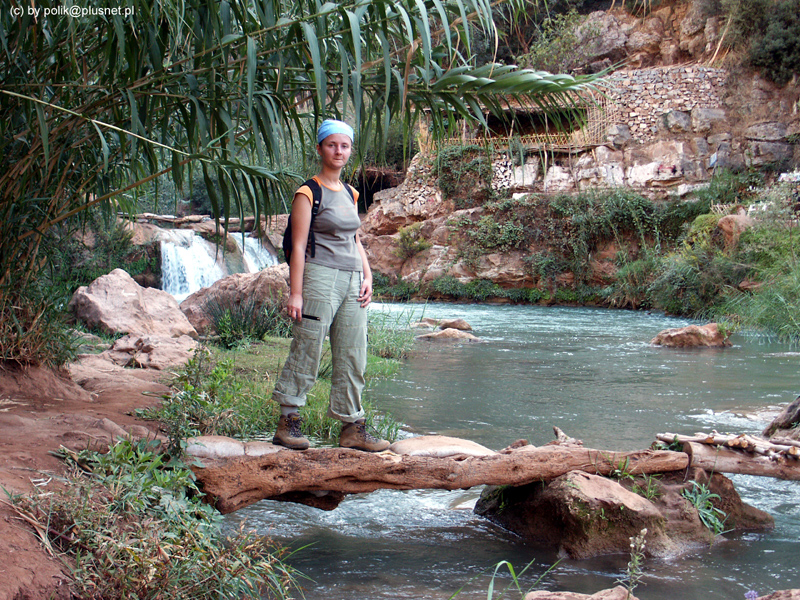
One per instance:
[(316, 191)]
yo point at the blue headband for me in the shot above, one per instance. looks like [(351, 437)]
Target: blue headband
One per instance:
[(330, 126)]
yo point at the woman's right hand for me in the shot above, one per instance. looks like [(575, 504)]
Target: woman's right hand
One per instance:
[(295, 307)]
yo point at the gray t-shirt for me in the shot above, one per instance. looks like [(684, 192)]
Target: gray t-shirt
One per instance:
[(335, 228)]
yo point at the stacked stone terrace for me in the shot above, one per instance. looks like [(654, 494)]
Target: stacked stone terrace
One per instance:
[(644, 95)]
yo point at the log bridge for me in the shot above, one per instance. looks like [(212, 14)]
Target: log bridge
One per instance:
[(322, 477)]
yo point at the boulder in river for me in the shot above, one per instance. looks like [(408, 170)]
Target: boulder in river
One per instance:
[(693, 336), (584, 515)]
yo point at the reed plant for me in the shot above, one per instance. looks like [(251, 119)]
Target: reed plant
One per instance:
[(514, 583)]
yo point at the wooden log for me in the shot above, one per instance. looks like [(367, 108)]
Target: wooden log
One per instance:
[(719, 459), (741, 441), (237, 482)]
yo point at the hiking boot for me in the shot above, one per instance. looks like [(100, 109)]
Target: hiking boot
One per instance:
[(288, 433), (355, 435)]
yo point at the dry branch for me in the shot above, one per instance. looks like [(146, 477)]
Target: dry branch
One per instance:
[(719, 459), (741, 441), (234, 483)]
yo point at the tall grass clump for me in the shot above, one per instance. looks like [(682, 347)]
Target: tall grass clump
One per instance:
[(773, 310), (389, 335), (136, 526), (238, 322)]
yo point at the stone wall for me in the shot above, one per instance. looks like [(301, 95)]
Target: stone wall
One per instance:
[(643, 96)]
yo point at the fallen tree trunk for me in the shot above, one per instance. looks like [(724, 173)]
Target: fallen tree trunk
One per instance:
[(718, 459), (329, 473)]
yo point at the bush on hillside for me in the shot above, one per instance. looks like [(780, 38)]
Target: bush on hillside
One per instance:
[(768, 31), (777, 52)]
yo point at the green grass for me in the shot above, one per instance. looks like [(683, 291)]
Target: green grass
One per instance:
[(227, 390), (136, 526)]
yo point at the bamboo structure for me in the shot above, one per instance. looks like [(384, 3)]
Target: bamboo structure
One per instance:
[(600, 113)]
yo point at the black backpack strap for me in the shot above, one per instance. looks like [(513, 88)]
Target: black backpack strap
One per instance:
[(350, 191), (316, 200)]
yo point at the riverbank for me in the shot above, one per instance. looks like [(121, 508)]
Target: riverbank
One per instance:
[(39, 412)]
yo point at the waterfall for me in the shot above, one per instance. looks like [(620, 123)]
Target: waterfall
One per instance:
[(189, 262), (254, 254)]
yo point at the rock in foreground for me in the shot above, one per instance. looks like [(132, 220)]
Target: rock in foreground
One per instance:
[(584, 515)]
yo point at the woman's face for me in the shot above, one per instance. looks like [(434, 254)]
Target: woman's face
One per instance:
[(335, 150)]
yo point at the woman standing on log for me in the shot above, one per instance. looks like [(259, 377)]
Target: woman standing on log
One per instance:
[(330, 287)]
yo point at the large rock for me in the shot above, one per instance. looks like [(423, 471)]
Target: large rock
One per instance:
[(151, 351), (663, 164), (418, 198), (558, 179), (707, 119), (604, 35), (449, 335), (772, 131), (508, 270), (764, 153), (618, 135), (115, 303), (581, 514), (693, 336), (584, 515), (730, 227), (646, 39), (270, 285), (617, 593), (459, 324), (383, 252), (786, 424), (678, 121)]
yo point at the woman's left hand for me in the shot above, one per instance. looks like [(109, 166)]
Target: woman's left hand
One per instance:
[(365, 294)]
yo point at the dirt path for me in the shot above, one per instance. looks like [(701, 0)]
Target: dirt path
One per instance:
[(40, 411)]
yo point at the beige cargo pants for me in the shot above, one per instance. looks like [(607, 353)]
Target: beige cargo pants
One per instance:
[(330, 306)]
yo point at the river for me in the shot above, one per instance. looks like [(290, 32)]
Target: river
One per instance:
[(590, 372)]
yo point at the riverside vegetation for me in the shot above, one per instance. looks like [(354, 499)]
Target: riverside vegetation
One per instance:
[(670, 257)]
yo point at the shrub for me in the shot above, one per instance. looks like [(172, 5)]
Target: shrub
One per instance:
[(777, 51), (203, 403), (730, 187), (632, 282), (236, 323), (401, 291), (464, 174), (411, 242), (73, 262), (694, 282), (556, 47), (773, 309)]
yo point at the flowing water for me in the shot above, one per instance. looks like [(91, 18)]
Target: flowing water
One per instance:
[(189, 262), (590, 372)]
